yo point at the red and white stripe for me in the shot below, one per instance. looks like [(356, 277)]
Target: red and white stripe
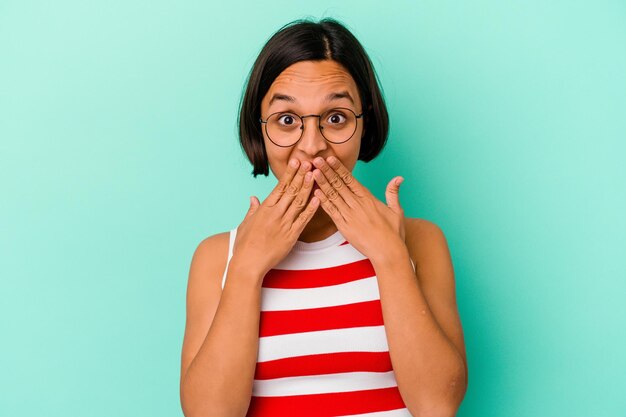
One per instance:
[(322, 344)]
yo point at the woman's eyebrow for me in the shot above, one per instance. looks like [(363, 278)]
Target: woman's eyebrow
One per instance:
[(279, 96), (339, 95), (330, 97)]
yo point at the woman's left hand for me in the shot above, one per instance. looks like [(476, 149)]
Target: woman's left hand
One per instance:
[(372, 227)]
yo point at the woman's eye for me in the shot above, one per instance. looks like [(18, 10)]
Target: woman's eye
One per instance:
[(336, 118), (287, 119)]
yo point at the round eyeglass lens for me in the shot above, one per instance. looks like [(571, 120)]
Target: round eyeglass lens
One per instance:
[(338, 125), (284, 128)]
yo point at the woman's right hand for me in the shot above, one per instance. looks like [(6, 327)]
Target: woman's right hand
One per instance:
[(270, 229)]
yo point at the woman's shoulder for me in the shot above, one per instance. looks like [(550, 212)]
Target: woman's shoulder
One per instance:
[(421, 234), (417, 224), (210, 256), (215, 241)]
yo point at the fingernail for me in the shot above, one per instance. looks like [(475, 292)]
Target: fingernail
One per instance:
[(293, 162)]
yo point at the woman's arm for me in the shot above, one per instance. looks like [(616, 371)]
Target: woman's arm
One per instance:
[(422, 323), (221, 335)]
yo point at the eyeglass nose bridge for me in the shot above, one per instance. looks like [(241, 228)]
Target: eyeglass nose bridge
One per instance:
[(319, 125)]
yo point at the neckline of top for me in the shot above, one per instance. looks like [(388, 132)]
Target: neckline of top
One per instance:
[(328, 242)]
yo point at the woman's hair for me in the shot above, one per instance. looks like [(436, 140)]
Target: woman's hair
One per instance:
[(304, 40)]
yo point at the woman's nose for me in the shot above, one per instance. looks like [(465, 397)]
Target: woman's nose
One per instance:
[(312, 140)]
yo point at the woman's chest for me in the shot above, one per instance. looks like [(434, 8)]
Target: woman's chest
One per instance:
[(319, 322)]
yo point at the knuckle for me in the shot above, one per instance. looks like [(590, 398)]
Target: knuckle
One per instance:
[(336, 182), (332, 194), (298, 202), (348, 178), (292, 189)]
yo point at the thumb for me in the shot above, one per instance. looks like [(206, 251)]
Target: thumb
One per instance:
[(254, 205), (392, 194)]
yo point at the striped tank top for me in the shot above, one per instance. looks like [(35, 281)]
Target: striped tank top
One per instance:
[(322, 344)]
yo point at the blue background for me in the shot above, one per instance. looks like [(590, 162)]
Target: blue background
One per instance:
[(119, 154)]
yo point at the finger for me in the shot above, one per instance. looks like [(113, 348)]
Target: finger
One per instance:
[(329, 191), (254, 205), (356, 187), (283, 183), (300, 201), (334, 181), (294, 188), (392, 194), (330, 208), (305, 216)]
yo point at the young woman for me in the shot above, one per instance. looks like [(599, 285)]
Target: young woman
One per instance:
[(324, 301)]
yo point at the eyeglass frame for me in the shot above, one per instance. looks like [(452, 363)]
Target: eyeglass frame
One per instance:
[(319, 125)]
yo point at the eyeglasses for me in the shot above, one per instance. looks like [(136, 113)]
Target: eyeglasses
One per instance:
[(336, 125)]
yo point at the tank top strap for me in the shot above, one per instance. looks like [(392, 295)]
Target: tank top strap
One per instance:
[(231, 243)]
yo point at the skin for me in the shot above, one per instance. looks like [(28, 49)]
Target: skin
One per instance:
[(422, 324)]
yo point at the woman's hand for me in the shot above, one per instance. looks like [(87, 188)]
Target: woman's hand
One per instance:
[(372, 227), (270, 229)]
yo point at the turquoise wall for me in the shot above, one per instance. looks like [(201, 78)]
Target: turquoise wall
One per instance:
[(118, 155)]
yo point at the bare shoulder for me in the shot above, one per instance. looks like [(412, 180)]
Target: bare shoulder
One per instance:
[(428, 247), (204, 289), (427, 243), (210, 256), (423, 234)]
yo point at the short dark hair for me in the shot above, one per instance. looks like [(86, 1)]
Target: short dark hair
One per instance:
[(307, 40)]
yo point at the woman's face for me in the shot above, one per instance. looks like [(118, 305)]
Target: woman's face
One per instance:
[(312, 85)]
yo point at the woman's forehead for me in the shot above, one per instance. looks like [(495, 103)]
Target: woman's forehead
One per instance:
[(317, 80), (314, 70)]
